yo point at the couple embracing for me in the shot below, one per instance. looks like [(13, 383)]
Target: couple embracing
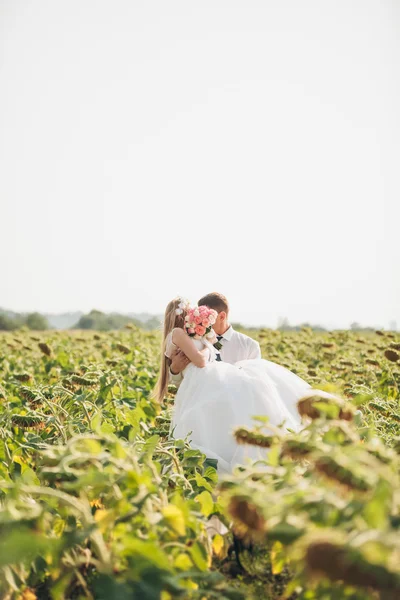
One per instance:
[(223, 381)]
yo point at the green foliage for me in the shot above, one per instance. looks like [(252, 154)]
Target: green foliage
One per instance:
[(33, 321), (97, 502), (104, 322), (330, 495), (100, 321), (36, 321), (7, 323), (96, 320)]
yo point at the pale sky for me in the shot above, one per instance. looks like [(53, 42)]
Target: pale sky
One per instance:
[(155, 148)]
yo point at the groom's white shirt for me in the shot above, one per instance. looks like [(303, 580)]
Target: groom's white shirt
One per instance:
[(238, 346), (235, 346)]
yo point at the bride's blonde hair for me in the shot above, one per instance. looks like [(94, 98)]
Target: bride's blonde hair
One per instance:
[(171, 321)]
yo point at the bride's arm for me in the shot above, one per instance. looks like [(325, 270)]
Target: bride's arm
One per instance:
[(183, 341)]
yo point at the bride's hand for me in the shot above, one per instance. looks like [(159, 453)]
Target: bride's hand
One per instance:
[(179, 361)]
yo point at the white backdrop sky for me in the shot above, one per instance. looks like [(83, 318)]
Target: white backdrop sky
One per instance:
[(154, 148)]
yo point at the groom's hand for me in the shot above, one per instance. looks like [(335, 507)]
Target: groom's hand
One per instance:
[(179, 361)]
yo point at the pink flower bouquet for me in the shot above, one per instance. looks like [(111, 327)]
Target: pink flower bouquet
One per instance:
[(199, 321)]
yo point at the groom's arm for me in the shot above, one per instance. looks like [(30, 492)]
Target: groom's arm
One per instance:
[(179, 361)]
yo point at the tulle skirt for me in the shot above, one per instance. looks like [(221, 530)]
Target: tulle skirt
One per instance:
[(213, 401)]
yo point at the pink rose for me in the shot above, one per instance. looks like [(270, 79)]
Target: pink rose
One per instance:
[(206, 323), (200, 330), (198, 320), (191, 330)]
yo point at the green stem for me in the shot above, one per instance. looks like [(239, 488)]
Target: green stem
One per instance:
[(76, 504)]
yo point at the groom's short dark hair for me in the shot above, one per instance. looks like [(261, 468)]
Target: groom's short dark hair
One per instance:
[(216, 301)]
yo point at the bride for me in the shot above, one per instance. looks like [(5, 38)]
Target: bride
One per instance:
[(215, 397)]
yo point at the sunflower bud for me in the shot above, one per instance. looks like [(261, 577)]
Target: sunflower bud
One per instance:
[(82, 380), (247, 518), (335, 471), (253, 438), (344, 563), (45, 348), (23, 377), (391, 355), (123, 349)]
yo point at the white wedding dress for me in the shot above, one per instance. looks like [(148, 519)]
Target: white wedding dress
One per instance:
[(212, 401)]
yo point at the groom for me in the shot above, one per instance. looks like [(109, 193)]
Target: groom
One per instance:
[(235, 346)]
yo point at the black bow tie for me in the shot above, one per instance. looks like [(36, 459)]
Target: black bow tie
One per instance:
[(218, 357)]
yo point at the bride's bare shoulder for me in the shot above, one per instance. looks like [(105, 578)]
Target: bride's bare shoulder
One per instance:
[(178, 334)]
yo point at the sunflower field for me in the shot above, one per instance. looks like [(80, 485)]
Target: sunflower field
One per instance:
[(96, 501)]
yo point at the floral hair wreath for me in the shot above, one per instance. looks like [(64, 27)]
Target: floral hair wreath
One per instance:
[(184, 304)]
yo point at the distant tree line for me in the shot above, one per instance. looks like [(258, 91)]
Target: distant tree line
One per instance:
[(106, 321), (101, 321), (94, 320), (34, 321), (284, 325), (358, 327)]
